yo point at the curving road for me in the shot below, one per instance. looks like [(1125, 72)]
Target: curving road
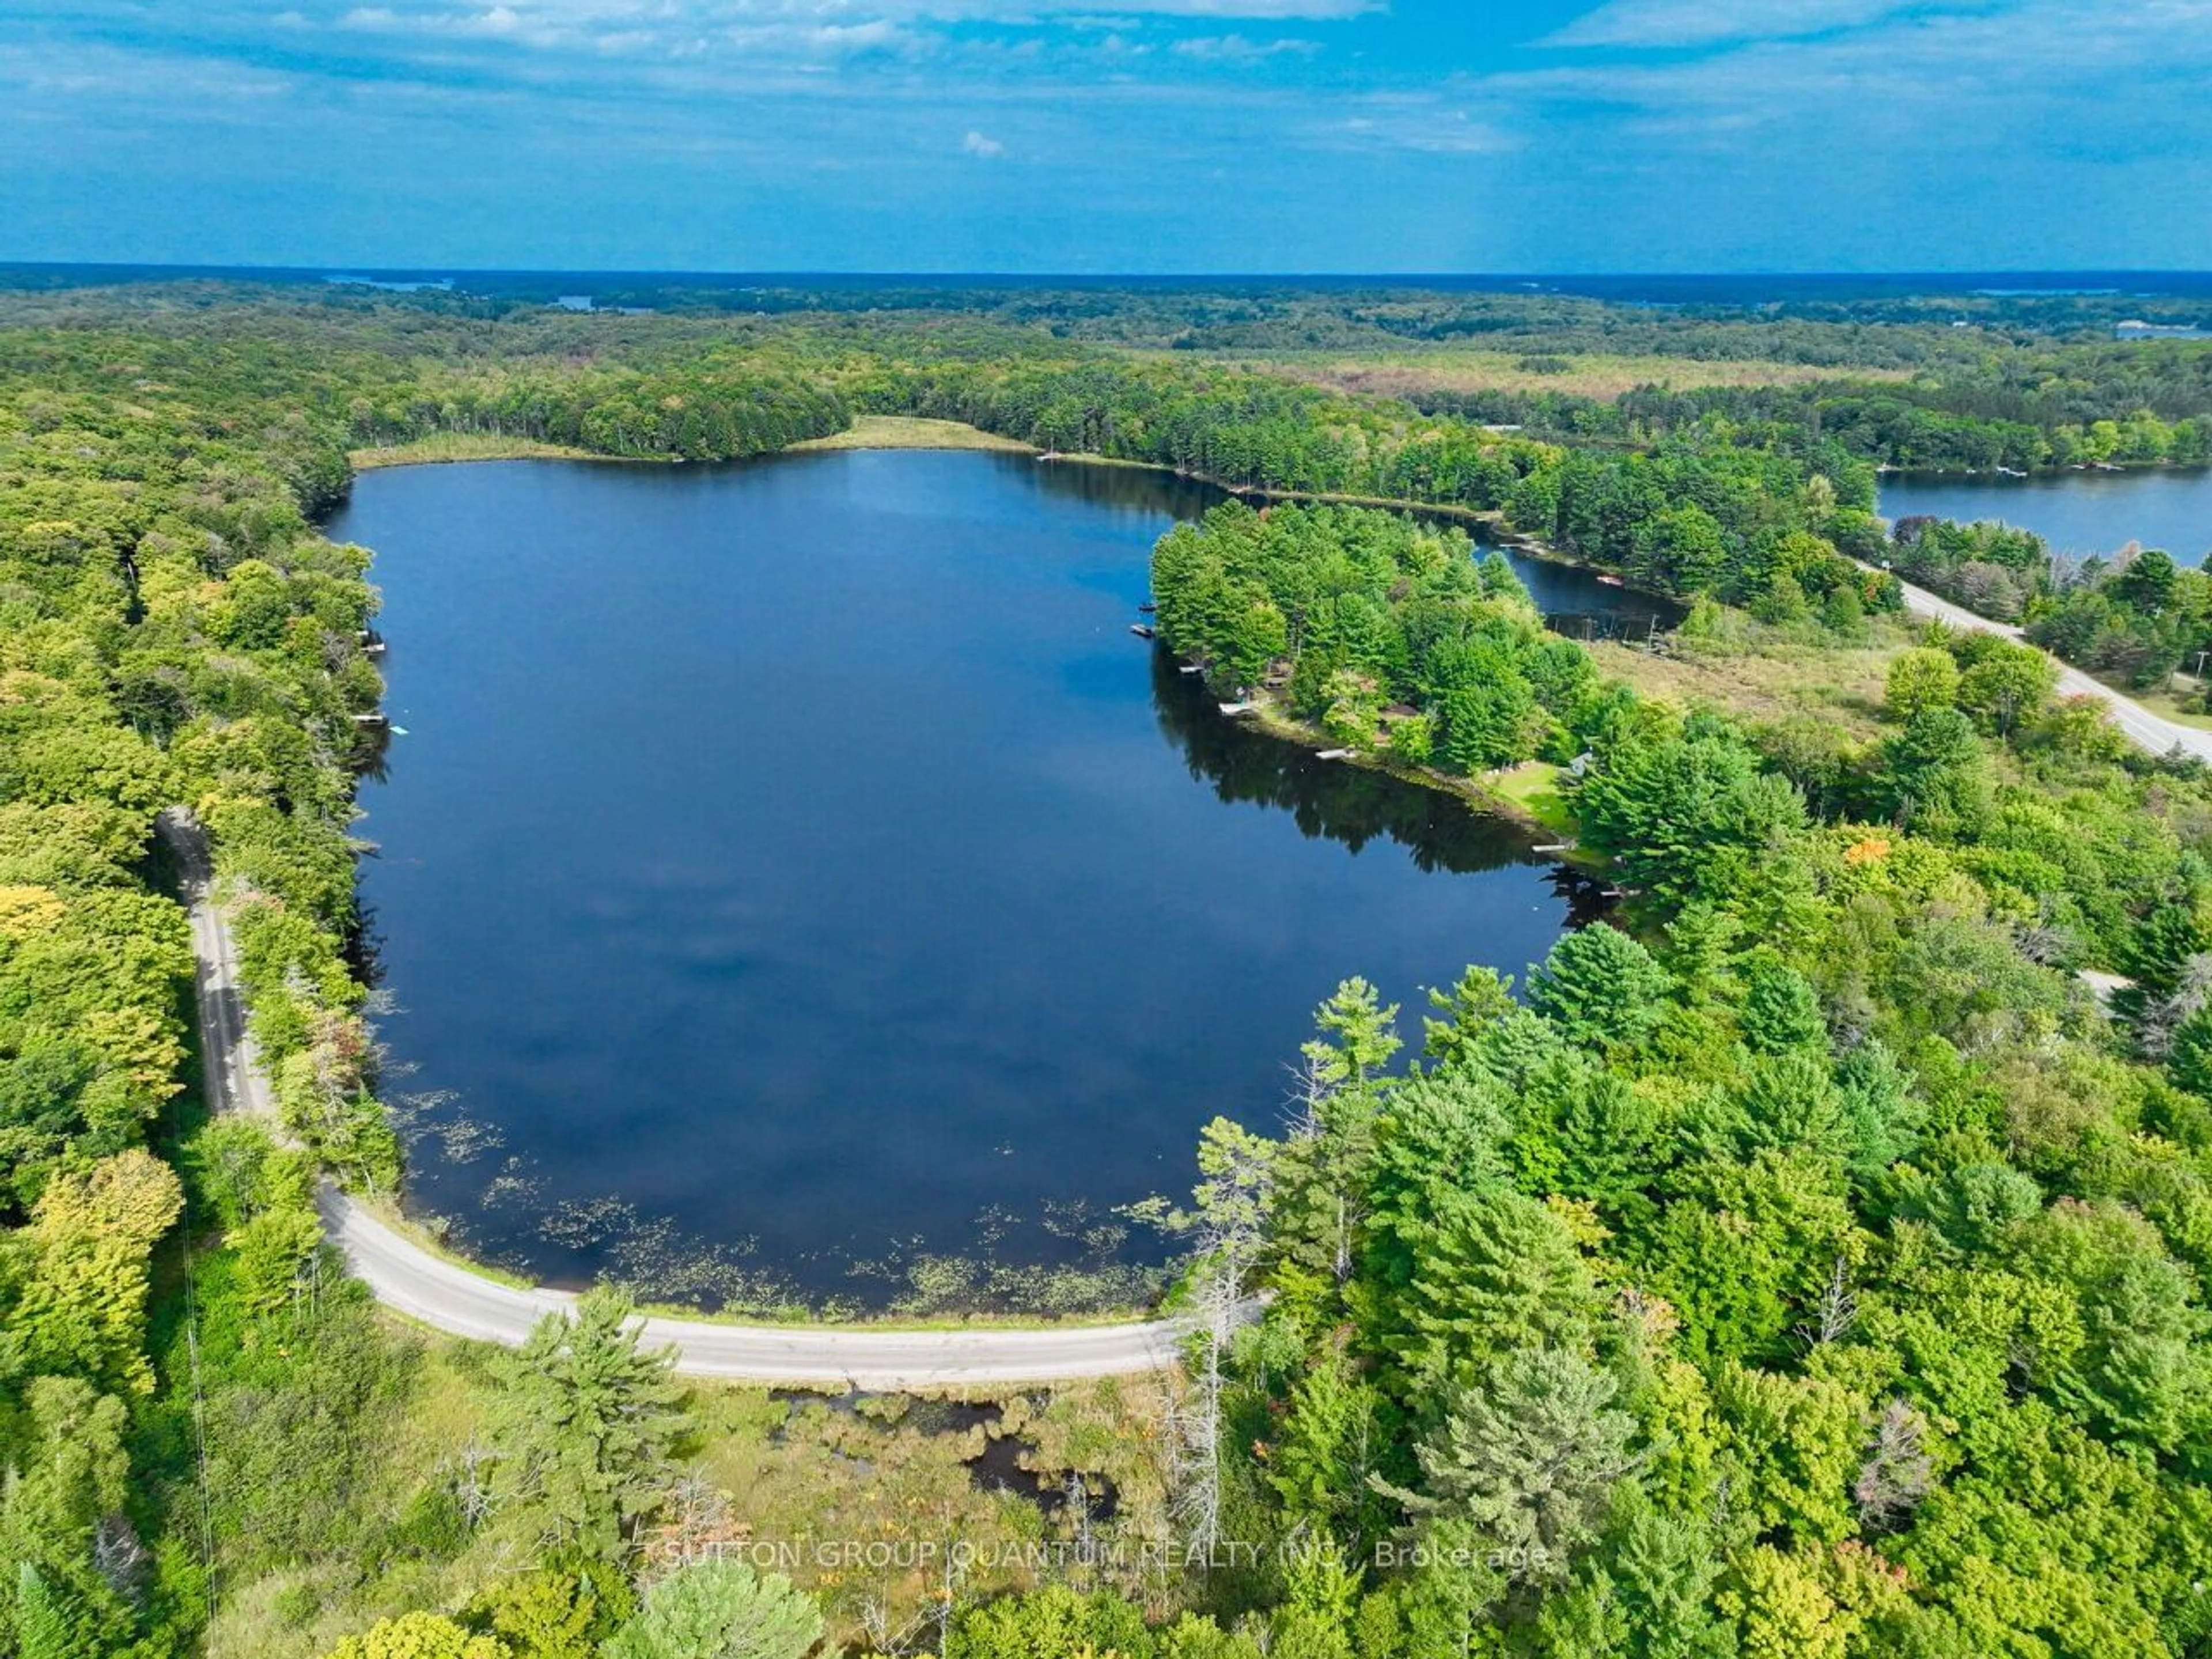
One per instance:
[(2142, 727), (412, 1280), (442, 1294)]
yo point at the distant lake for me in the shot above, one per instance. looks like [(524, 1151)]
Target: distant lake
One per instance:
[(2081, 513), (806, 852)]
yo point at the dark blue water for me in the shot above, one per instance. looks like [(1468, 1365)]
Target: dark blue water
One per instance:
[(806, 852), (2077, 512)]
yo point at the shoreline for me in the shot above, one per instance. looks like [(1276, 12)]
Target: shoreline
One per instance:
[(1267, 715), (1993, 475), (903, 432), (454, 449), (795, 1317)]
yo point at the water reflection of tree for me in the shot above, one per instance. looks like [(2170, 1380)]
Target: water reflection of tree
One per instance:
[(1350, 805), (1346, 804), (1147, 489)]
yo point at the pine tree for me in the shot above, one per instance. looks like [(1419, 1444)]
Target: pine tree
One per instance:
[(1528, 1458), (1599, 985), (588, 1423), (44, 1629), (720, 1610), (1494, 1273)]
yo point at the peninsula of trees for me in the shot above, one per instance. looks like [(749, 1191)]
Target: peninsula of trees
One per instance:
[(1810, 1260)]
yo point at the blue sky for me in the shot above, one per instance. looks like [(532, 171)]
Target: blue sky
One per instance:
[(1091, 135)]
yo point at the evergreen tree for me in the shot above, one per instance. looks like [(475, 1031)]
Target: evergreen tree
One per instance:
[(1493, 1272), (1599, 985), (587, 1424), (1528, 1458), (720, 1610), (1781, 1010)]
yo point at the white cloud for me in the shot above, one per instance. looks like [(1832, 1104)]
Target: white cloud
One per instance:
[(1304, 11), (501, 22), (1961, 67), (559, 17), (1240, 49), (1421, 125), (132, 79), (1664, 23), (818, 39), (808, 36), (985, 149)]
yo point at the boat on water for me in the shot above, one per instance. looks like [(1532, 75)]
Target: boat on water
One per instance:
[(1611, 580), (1141, 630)]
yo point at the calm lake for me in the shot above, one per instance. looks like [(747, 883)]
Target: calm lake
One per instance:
[(2081, 513), (804, 852)]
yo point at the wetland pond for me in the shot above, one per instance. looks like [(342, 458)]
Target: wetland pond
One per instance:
[(795, 874)]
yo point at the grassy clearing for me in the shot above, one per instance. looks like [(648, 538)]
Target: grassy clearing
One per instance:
[(913, 432), (1527, 793), (1767, 676), (1452, 368), (444, 446), (1532, 789)]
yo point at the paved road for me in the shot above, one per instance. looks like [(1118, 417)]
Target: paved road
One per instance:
[(409, 1279), (2152, 731), (235, 1081), (413, 1281)]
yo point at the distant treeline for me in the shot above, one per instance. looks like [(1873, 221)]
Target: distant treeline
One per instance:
[(2124, 405), (1700, 515), (1837, 1252)]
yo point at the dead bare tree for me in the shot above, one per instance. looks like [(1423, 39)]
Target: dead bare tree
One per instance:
[(471, 1482), (120, 1558), (2163, 1016), (1837, 1310), (1898, 1471), (1227, 1228)]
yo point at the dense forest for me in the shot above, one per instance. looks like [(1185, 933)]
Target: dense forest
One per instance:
[(1808, 1261), (1775, 1275), (2026, 410), (1870, 322)]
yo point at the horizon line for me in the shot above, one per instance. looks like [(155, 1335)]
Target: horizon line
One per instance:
[(340, 270)]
